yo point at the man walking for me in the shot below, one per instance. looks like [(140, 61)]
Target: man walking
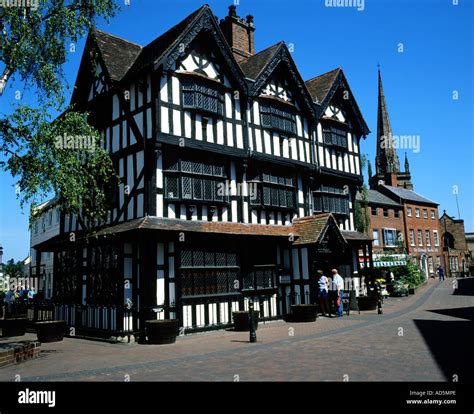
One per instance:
[(338, 286), (440, 271)]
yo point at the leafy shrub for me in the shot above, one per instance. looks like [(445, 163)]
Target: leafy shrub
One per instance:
[(409, 274)]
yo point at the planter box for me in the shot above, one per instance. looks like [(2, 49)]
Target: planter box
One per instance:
[(161, 332), (242, 320), (50, 331), (304, 313), (13, 326), (367, 303)]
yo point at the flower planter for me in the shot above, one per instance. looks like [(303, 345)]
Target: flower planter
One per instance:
[(161, 332), (13, 326), (304, 313), (50, 331), (242, 320), (367, 303)]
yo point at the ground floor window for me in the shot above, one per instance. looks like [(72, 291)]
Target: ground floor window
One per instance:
[(208, 273)]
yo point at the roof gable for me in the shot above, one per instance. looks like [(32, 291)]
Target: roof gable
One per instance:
[(263, 65), (326, 88), (173, 45)]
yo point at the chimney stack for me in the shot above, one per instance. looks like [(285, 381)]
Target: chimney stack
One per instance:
[(239, 34)]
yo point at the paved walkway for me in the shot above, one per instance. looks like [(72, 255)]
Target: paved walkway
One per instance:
[(425, 337)]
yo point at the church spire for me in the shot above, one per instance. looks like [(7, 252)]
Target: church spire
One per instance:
[(407, 165), (387, 159)]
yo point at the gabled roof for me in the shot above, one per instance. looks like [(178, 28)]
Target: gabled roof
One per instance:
[(117, 54), (319, 86), (322, 89), (312, 229), (408, 195), (376, 197), (155, 49), (254, 65)]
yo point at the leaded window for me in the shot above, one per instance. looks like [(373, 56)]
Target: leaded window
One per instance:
[(208, 272), (330, 199), (335, 136), (198, 94), (196, 180), (274, 117), (272, 191)]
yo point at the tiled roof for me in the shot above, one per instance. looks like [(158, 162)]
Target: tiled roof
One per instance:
[(409, 195), (253, 65), (305, 230), (155, 223), (376, 197), (310, 229), (118, 54), (319, 86), (154, 50)]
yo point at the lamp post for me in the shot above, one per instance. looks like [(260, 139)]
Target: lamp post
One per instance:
[(253, 333)]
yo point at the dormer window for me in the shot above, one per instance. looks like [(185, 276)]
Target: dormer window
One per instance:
[(335, 136), (201, 95), (278, 118)]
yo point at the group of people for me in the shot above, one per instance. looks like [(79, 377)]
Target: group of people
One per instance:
[(330, 291), (19, 294)]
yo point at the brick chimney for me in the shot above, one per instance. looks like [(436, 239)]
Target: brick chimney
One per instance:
[(392, 179), (239, 34)]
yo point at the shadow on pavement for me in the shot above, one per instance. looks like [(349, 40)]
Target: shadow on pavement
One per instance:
[(465, 287), (451, 343), (461, 313)]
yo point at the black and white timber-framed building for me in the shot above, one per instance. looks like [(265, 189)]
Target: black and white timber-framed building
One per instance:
[(237, 176)]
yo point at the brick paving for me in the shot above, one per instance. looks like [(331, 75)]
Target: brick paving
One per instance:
[(412, 341)]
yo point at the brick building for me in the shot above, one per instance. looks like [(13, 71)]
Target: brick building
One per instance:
[(386, 228), (456, 255), (391, 195)]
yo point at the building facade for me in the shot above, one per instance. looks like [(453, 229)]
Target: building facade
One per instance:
[(41, 263), (387, 228), (238, 179), (415, 221), (456, 255)]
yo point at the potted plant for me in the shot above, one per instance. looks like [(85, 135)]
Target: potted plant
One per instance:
[(242, 320), (159, 332), (13, 326), (50, 331), (304, 313)]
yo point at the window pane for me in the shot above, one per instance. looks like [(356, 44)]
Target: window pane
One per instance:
[(186, 187), (172, 187), (197, 188)]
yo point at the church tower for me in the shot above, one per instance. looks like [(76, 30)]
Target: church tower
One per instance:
[(387, 163)]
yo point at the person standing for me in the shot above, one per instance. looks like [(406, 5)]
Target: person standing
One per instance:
[(323, 293), (338, 286), (440, 271)]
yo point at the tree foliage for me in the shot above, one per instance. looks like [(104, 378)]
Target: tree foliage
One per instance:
[(34, 44)]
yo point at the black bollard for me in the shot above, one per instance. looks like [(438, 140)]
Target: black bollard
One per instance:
[(253, 333)]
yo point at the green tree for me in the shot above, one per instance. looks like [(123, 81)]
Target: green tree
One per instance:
[(34, 45), (361, 212)]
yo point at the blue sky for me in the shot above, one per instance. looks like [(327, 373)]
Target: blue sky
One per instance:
[(437, 59)]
